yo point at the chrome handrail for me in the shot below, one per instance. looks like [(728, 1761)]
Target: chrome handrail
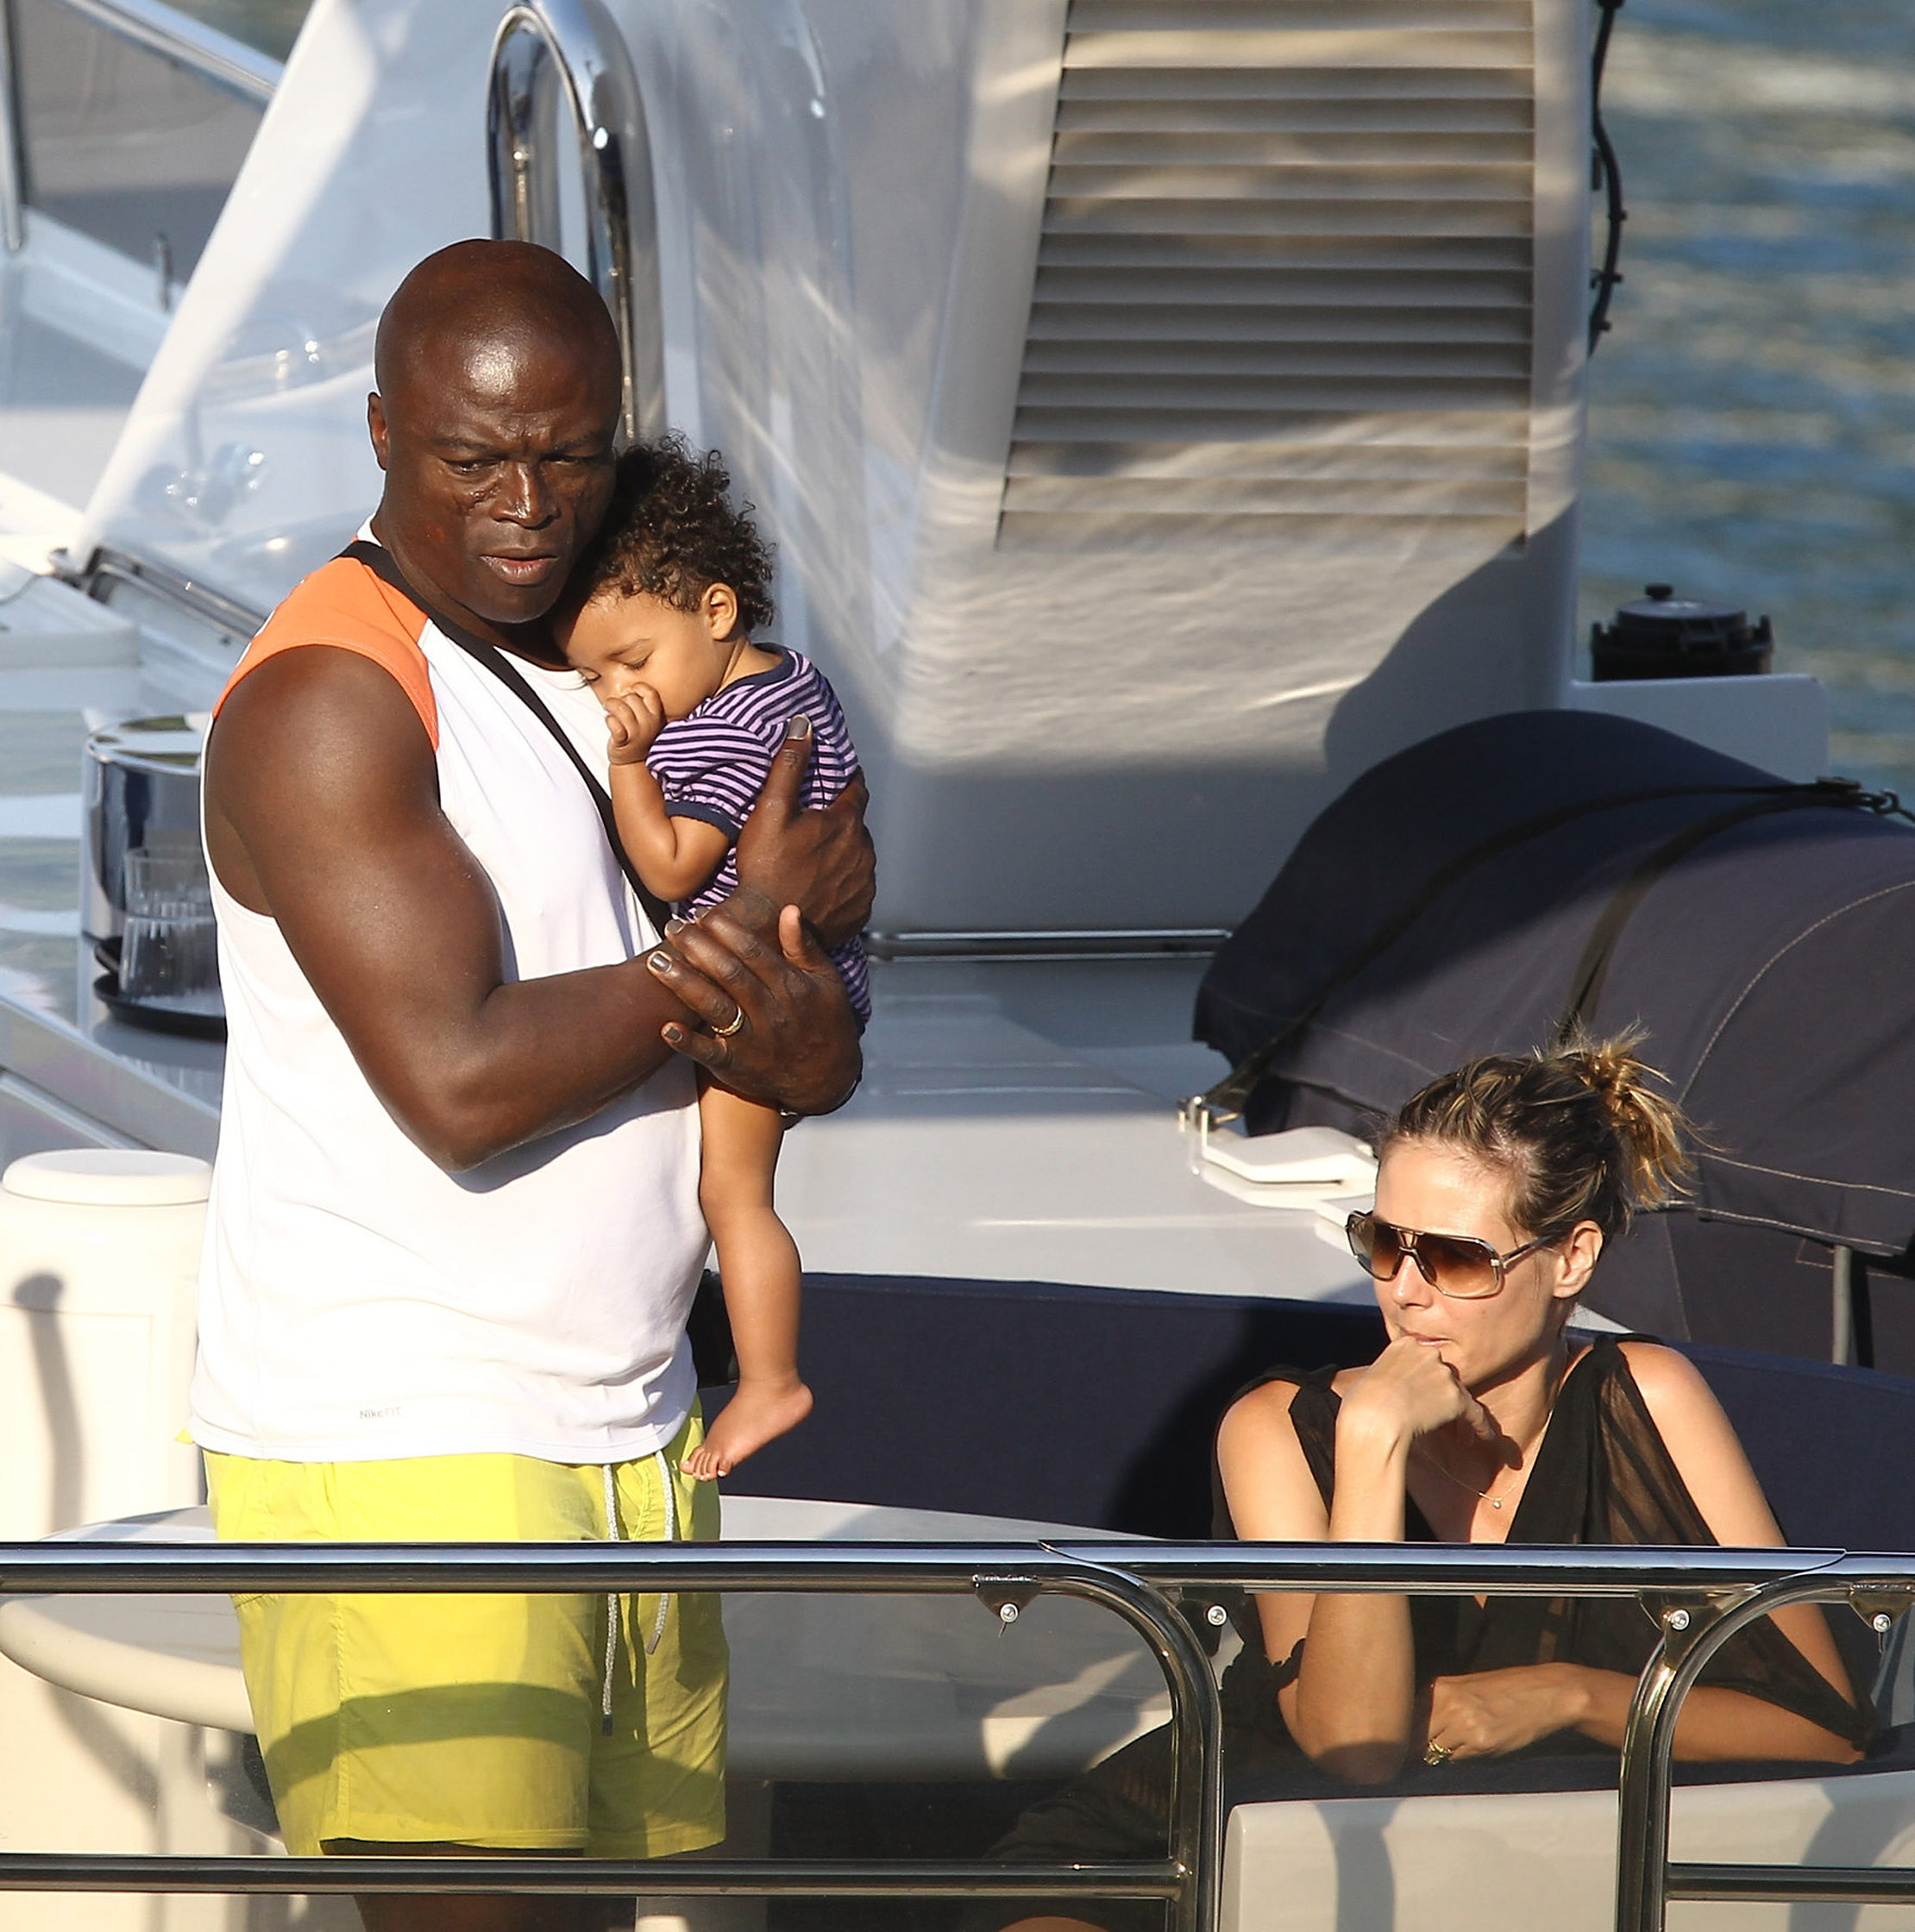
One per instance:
[(1456, 1568), (1880, 1590), (1004, 1577), (1700, 1596), (573, 45), (240, 622), (228, 63), (13, 229)]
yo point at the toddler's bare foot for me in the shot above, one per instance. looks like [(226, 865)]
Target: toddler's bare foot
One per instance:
[(756, 1414)]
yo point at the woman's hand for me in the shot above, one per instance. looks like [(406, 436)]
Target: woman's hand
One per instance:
[(1492, 1713), (1408, 1391)]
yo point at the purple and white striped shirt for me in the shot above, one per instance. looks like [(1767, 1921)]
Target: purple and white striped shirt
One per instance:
[(712, 764)]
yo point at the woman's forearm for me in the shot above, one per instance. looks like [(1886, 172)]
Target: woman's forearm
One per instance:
[(1715, 1724), (1353, 1706), (1355, 1697)]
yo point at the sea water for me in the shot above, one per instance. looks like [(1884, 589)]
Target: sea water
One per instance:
[(1752, 419)]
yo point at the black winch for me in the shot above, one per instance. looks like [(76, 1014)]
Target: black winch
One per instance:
[(1664, 635)]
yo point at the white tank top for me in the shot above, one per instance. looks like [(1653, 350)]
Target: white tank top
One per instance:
[(357, 1301)]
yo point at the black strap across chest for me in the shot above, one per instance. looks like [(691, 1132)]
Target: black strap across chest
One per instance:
[(378, 560)]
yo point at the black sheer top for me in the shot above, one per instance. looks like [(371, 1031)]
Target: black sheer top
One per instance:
[(1602, 1475)]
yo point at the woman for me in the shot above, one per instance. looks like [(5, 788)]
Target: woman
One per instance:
[(1483, 1420)]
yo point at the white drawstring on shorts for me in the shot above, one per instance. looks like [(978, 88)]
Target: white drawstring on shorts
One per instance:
[(670, 1494)]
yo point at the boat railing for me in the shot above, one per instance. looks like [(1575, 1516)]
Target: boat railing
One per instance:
[(1697, 1597), (196, 45), (13, 186), (546, 51)]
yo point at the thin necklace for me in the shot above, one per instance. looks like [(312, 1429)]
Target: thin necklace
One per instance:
[(1482, 1495), (1523, 1461)]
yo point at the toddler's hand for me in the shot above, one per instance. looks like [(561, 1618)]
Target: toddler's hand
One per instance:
[(632, 723)]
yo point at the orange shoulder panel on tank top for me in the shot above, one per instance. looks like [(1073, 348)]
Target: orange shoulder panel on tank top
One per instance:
[(344, 604)]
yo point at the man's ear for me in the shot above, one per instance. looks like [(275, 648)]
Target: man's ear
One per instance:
[(719, 606), (375, 426)]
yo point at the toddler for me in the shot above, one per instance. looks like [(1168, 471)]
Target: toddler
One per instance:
[(661, 626)]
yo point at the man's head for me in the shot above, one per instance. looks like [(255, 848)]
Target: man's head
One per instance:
[(500, 386)]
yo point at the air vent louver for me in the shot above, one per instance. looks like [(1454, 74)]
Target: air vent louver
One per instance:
[(1285, 285)]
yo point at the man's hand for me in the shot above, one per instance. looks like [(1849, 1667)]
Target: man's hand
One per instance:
[(821, 861), (781, 1029)]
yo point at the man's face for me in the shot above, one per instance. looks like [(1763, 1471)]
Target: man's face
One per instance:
[(499, 466)]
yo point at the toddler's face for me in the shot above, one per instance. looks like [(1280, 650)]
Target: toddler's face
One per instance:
[(618, 642)]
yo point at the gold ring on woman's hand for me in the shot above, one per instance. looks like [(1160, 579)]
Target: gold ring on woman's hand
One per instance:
[(1435, 1754), (726, 1032)]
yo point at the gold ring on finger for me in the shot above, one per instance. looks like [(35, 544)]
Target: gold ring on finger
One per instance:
[(732, 1026), (1435, 1754)]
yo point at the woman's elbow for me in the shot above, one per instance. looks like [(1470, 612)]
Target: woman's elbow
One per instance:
[(1354, 1759), (1826, 1748), (1371, 1762)]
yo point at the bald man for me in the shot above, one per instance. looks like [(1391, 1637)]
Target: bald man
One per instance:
[(455, 1230)]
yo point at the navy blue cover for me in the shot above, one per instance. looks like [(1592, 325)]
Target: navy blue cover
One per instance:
[(1770, 968)]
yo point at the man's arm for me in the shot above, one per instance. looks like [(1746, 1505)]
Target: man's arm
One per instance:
[(323, 813)]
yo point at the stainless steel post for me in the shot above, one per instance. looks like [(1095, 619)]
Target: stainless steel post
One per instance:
[(1842, 1295), (543, 48), (13, 186), (1196, 1761), (1691, 1633)]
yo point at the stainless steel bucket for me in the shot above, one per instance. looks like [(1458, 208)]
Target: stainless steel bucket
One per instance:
[(141, 788)]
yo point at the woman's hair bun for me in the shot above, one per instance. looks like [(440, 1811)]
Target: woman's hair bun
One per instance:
[(1584, 1128), (1649, 1126)]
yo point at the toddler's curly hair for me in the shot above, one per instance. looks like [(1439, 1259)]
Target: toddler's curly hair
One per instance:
[(672, 531)]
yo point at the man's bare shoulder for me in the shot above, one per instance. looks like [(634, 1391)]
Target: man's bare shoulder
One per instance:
[(344, 610), (320, 707), (316, 754)]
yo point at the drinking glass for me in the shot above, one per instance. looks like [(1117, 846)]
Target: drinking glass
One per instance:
[(169, 955)]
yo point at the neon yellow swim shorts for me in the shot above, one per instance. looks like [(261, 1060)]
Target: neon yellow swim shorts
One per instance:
[(477, 1720)]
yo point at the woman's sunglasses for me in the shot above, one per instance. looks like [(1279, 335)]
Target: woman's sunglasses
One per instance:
[(1456, 1265)]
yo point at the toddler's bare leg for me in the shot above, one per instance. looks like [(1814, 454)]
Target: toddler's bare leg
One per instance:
[(758, 1262)]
